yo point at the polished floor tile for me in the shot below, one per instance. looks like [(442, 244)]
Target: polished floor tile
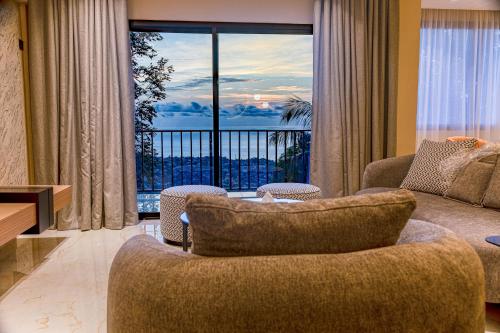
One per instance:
[(67, 292), (21, 256)]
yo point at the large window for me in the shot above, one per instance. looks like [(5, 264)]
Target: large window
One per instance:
[(220, 105), (459, 80)]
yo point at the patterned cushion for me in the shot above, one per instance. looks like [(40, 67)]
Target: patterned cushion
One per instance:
[(425, 174), (296, 191), (172, 205)]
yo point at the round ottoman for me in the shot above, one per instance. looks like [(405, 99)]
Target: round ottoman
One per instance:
[(172, 205), (296, 191)]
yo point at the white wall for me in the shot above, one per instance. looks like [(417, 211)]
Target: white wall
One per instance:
[(254, 11), (462, 4)]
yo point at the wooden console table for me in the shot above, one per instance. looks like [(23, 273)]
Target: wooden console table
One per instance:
[(17, 216)]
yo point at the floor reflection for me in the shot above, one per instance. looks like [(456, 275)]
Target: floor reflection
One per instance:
[(21, 256), (493, 318)]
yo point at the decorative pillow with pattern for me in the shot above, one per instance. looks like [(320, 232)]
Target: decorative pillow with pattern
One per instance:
[(425, 174)]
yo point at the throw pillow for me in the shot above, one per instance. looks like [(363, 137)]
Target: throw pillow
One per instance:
[(472, 181), (479, 142), (425, 174), (231, 227), (492, 196)]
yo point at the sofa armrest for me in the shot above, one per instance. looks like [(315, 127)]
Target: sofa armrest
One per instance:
[(417, 287), (389, 172)]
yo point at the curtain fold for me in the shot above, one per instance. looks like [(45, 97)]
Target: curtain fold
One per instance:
[(82, 109), (459, 75), (354, 90)]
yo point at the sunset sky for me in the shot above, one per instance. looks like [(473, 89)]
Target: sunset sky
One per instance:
[(257, 73)]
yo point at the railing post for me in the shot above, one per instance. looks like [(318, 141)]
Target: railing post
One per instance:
[(162, 163), (211, 158)]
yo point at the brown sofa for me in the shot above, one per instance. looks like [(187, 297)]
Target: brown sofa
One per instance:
[(471, 223), (431, 281)]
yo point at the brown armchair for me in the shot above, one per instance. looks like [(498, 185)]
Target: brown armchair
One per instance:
[(430, 282)]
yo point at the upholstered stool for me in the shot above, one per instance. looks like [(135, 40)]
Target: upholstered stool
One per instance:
[(296, 191), (172, 203)]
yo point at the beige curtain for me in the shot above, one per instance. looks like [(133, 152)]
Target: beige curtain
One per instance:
[(354, 89), (82, 100)]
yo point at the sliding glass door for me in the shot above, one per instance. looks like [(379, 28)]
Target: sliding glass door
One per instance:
[(258, 75), (220, 104)]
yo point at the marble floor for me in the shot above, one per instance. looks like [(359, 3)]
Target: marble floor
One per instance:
[(65, 292), (58, 282)]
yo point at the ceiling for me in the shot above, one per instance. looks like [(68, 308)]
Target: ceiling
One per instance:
[(462, 4)]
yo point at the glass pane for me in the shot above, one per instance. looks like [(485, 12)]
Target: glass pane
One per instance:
[(174, 116), (264, 78)]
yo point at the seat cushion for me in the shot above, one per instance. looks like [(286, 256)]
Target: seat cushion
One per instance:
[(473, 224), (228, 227), (296, 191)]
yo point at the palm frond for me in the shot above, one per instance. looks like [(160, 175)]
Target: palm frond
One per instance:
[(297, 110)]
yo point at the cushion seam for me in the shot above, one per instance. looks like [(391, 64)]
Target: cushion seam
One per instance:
[(305, 210)]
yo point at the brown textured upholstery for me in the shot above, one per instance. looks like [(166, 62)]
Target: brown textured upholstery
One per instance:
[(471, 183), (224, 227), (387, 173), (492, 196), (473, 224), (431, 282)]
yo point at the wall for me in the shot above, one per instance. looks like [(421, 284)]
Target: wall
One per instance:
[(253, 11), (409, 54), (13, 156)]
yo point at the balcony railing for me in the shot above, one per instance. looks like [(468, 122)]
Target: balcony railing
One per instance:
[(247, 158)]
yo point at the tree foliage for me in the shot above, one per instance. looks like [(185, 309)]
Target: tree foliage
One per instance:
[(295, 111), (151, 72)]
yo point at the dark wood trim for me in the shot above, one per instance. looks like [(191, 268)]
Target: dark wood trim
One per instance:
[(149, 215), (220, 27), (215, 103), (42, 197)]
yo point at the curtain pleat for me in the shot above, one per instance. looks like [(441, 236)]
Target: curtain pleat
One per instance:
[(82, 105), (355, 68), (459, 75)]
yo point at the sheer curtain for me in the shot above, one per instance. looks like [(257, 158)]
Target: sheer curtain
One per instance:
[(459, 84)]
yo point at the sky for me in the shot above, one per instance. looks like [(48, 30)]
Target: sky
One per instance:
[(257, 74)]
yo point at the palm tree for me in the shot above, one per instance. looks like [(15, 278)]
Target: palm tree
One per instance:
[(296, 111)]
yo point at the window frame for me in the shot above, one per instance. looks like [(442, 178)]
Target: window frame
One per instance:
[(214, 29)]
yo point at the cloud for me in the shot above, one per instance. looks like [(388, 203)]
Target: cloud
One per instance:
[(176, 109), (194, 109), (207, 80), (293, 88), (240, 110)]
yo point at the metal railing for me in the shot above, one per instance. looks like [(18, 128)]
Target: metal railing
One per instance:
[(247, 158)]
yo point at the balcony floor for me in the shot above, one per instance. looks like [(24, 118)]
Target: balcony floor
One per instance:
[(150, 203)]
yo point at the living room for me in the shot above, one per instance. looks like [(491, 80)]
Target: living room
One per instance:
[(250, 166)]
